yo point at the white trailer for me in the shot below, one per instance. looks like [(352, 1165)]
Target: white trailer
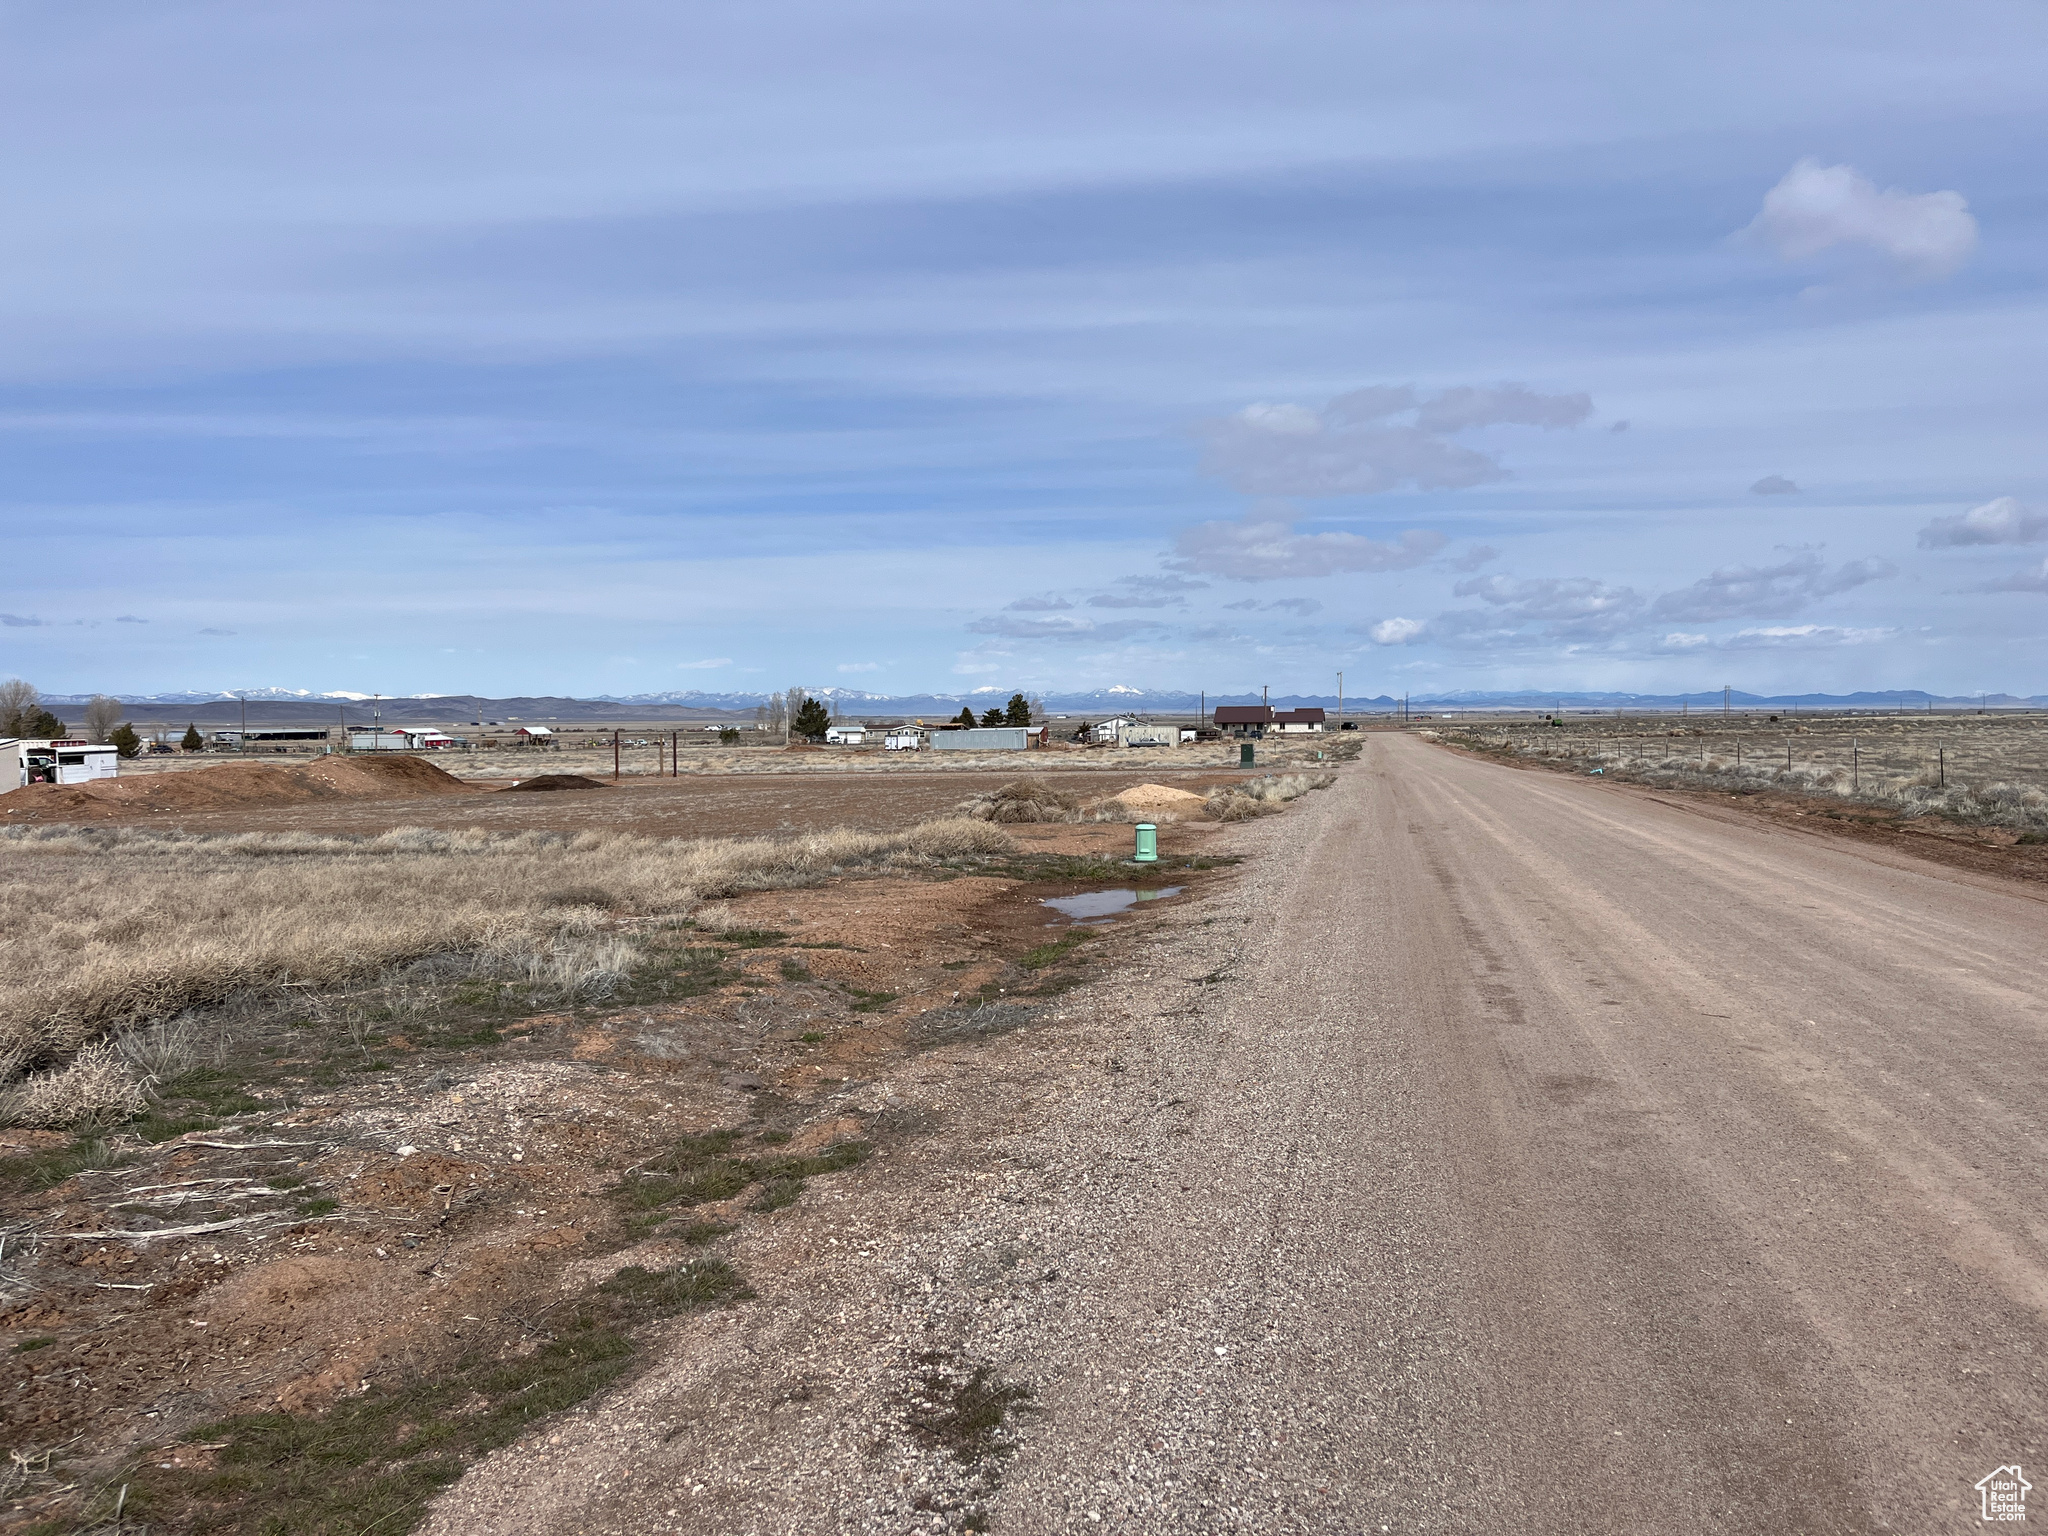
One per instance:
[(58, 762)]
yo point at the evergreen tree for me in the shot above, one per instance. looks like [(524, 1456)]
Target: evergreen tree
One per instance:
[(125, 741), (44, 724), (812, 719), (192, 740), (993, 717), (1019, 712), (965, 717)]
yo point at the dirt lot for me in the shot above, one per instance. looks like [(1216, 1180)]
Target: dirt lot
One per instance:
[(361, 1242), (697, 805)]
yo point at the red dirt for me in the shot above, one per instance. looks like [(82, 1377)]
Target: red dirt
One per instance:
[(549, 781), (230, 787), (697, 805)]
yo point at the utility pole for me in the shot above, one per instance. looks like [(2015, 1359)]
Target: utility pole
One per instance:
[(242, 741), (1340, 701), (1727, 692), (1203, 720)]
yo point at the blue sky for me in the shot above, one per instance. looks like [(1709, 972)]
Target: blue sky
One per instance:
[(622, 348)]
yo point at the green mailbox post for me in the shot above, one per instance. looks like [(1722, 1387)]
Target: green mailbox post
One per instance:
[(1148, 844)]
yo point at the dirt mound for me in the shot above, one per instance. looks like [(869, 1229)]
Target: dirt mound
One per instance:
[(1160, 797), (231, 786), (555, 781)]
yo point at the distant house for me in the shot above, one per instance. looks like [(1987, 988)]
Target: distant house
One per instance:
[(1294, 721), (1243, 719), (846, 735), (434, 741), (906, 738)]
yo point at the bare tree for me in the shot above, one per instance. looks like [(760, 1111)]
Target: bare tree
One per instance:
[(102, 714), (19, 704), (792, 701)]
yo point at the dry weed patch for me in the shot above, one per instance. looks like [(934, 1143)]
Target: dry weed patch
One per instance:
[(103, 930), (1976, 771)]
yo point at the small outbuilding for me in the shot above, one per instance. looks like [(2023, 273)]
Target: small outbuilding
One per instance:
[(58, 761), (270, 735), (906, 738), (846, 735), (987, 738)]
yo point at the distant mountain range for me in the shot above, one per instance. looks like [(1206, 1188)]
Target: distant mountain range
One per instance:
[(282, 705)]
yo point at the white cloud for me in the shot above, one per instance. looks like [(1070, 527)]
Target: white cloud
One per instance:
[(1816, 207), (1356, 446), (706, 665), (2000, 521), (1038, 605), (1570, 607), (1475, 557), (2030, 580), (1265, 547), (860, 666), (1678, 641), (1774, 485), (1767, 592), (1801, 636), (1060, 627), (1396, 631)]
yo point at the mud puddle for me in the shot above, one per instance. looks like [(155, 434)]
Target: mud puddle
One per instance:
[(1100, 906)]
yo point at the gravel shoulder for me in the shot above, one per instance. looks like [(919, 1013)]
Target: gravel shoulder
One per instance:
[(1492, 1151)]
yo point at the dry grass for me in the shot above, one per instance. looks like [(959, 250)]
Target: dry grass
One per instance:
[(1036, 800), (1262, 797), (106, 931), (1983, 770)]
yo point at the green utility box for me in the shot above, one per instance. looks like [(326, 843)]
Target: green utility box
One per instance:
[(1148, 844), (1244, 755)]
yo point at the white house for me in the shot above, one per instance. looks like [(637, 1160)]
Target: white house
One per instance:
[(57, 762), (846, 735), (433, 740), (905, 738)]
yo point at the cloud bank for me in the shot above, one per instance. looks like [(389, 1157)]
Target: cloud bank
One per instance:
[(1264, 547), (1358, 445), (2001, 521)]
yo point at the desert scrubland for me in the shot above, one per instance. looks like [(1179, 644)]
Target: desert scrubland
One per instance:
[(1986, 770), (246, 1071)]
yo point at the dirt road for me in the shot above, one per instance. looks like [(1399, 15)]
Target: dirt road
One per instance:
[(1505, 1152)]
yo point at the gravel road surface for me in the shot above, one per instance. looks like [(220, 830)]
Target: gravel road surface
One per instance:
[(1499, 1152)]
